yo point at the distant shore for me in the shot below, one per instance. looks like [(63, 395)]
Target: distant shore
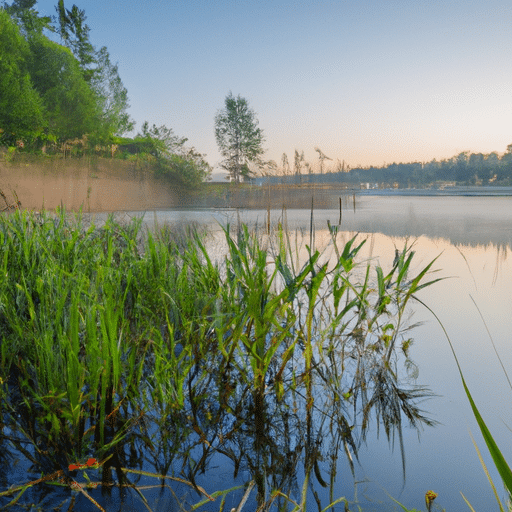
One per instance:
[(448, 191)]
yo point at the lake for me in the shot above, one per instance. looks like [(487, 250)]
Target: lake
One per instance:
[(472, 237)]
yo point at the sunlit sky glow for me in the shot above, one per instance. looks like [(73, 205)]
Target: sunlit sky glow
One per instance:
[(367, 81)]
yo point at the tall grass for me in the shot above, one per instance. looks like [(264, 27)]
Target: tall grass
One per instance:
[(144, 351)]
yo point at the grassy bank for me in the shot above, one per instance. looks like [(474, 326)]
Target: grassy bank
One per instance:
[(142, 354)]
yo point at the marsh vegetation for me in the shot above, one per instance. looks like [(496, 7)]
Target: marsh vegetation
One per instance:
[(144, 354)]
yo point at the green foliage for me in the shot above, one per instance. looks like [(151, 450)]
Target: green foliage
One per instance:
[(185, 172), (71, 106), (112, 95), (182, 165), (238, 137), (127, 345), (26, 17), (21, 109), (75, 34), (52, 93)]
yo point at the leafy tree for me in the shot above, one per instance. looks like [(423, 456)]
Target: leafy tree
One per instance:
[(26, 17), (71, 105), (181, 164), (21, 109), (112, 95), (75, 35), (238, 137), (506, 165)]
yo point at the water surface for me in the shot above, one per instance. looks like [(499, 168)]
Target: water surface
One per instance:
[(471, 236)]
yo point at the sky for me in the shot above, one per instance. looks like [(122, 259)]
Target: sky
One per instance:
[(370, 82)]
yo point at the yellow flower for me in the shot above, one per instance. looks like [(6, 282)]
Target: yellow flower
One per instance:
[(430, 496)]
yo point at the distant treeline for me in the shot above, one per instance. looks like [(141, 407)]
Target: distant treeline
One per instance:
[(66, 98), (464, 169)]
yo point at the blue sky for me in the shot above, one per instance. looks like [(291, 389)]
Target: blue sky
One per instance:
[(366, 81)]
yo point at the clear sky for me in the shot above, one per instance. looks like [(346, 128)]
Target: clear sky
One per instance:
[(368, 81)]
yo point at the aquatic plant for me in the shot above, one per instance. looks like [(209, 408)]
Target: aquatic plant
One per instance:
[(141, 350)]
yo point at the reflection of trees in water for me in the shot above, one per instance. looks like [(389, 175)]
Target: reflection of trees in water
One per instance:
[(501, 257), (465, 221)]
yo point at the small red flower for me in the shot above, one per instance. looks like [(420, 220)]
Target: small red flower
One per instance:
[(91, 462), (72, 467)]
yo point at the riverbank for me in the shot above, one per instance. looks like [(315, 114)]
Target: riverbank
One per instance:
[(95, 184)]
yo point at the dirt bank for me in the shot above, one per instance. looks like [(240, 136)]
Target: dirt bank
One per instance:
[(93, 184), (105, 185)]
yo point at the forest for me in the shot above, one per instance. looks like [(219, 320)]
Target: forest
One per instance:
[(67, 98), (466, 168)]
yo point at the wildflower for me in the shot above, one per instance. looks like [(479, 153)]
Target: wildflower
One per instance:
[(90, 462), (430, 496)]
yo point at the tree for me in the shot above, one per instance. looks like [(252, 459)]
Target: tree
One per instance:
[(21, 109), (285, 165), (26, 17), (297, 162), (75, 35), (183, 165), (238, 137), (112, 95), (71, 105)]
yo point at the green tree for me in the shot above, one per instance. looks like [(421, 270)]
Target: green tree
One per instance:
[(491, 166), (506, 165), (21, 109), (183, 165), (462, 170), (26, 17), (112, 95), (75, 35), (71, 105), (238, 137)]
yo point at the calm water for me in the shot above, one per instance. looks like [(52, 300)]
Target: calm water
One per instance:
[(472, 237)]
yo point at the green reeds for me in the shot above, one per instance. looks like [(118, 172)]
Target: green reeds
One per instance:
[(142, 349)]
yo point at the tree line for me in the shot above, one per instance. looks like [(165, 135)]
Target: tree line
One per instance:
[(466, 168), (240, 142), (68, 96)]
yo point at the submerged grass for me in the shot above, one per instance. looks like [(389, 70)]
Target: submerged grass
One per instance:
[(142, 350)]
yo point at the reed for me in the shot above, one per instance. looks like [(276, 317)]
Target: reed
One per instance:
[(142, 350)]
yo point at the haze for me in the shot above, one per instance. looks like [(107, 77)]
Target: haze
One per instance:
[(369, 82)]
